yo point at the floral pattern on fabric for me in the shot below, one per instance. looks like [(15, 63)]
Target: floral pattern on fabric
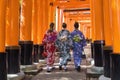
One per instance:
[(78, 43), (64, 43), (49, 45)]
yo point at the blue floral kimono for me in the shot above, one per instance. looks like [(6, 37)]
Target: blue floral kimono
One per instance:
[(78, 43), (63, 44)]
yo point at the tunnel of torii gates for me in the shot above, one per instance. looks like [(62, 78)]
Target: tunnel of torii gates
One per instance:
[(24, 22)]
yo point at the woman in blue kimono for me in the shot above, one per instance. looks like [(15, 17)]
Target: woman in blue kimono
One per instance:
[(63, 43), (78, 43)]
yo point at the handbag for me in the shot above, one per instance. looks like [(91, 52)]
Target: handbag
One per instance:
[(44, 54)]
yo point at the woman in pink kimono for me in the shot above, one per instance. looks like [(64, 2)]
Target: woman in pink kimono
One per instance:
[(49, 45)]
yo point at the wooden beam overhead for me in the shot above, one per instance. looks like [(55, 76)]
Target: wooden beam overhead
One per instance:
[(80, 17), (74, 10), (72, 3)]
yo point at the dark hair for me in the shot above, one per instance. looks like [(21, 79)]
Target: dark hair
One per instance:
[(51, 27), (76, 25), (64, 25)]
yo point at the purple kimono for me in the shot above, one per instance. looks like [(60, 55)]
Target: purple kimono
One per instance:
[(78, 43)]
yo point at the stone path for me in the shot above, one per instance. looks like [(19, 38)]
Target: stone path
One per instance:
[(71, 74), (57, 74)]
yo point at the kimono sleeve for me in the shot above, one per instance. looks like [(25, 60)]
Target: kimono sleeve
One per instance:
[(83, 41), (44, 41)]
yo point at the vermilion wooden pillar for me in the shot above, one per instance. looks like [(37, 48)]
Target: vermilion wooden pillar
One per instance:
[(43, 13), (3, 72), (88, 32), (12, 36), (81, 26), (115, 25), (26, 19), (60, 12), (40, 27), (34, 21), (45, 18), (84, 29), (35, 30), (108, 34), (92, 19), (97, 26), (70, 25), (40, 21), (43, 21), (97, 19), (51, 10), (65, 17), (115, 57), (25, 32)]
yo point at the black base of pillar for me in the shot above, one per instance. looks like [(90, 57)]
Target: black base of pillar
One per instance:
[(41, 49), (92, 52), (115, 66), (35, 53), (98, 51), (13, 59), (26, 52), (107, 50), (3, 71)]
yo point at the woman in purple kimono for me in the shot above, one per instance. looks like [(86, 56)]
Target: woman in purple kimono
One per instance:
[(49, 45), (63, 44), (78, 43)]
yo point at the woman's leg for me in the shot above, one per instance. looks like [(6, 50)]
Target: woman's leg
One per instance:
[(60, 63), (77, 60)]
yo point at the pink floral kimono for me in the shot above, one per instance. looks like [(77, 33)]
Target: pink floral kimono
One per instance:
[(49, 44)]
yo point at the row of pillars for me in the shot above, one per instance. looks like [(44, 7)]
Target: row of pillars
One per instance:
[(85, 27), (21, 32), (104, 57), (105, 26), (106, 36)]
